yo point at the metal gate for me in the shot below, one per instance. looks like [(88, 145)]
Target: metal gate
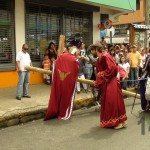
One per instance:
[(7, 46)]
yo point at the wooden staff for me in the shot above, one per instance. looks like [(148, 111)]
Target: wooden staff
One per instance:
[(132, 94), (43, 71), (90, 82), (61, 44)]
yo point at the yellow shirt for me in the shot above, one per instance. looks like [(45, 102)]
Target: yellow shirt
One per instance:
[(134, 59)]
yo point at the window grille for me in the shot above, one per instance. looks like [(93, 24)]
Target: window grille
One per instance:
[(42, 27), (78, 24), (7, 46), (45, 23)]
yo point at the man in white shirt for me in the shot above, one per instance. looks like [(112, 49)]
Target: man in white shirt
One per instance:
[(23, 59)]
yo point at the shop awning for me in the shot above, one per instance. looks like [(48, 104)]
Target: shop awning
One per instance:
[(120, 5), (141, 26)]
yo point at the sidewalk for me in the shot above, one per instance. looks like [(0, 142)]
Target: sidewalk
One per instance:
[(13, 111)]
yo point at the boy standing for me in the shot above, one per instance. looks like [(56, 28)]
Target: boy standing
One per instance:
[(46, 63)]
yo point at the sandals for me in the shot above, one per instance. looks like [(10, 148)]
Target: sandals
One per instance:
[(121, 125)]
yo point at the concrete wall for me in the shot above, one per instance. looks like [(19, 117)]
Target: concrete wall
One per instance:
[(96, 31), (97, 20), (19, 23)]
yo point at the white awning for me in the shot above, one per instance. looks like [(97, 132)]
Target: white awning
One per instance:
[(141, 26)]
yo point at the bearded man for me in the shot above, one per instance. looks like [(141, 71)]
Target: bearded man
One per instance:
[(113, 112)]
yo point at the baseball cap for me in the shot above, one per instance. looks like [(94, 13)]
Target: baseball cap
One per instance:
[(120, 53), (134, 46)]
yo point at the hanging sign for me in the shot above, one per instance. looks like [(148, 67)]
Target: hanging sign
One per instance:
[(107, 24)]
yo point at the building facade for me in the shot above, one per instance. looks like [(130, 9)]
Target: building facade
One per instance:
[(119, 29), (38, 22)]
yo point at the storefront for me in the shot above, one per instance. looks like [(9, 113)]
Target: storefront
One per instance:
[(137, 34), (38, 22), (51, 20)]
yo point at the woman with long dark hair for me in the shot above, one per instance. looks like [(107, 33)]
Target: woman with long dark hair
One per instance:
[(51, 51)]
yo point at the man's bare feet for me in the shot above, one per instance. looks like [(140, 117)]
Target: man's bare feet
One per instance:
[(121, 125)]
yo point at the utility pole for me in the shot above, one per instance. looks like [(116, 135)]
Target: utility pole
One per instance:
[(146, 23), (147, 20)]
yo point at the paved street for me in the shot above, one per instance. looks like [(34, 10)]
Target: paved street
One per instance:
[(81, 132)]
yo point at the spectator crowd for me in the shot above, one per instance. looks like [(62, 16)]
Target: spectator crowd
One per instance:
[(129, 58)]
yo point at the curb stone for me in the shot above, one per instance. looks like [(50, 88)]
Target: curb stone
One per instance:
[(23, 116)]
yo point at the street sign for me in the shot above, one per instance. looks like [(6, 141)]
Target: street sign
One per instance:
[(107, 24)]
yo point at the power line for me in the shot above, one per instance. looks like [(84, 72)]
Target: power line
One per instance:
[(132, 18)]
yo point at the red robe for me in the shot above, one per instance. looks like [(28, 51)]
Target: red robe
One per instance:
[(112, 103), (63, 87)]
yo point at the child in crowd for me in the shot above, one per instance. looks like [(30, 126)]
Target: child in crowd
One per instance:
[(46, 63)]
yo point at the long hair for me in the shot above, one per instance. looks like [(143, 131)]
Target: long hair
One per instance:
[(51, 43)]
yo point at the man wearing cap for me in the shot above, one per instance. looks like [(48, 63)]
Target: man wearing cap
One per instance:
[(134, 60), (63, 88)]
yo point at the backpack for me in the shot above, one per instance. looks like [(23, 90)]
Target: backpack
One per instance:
[(146, 68), (147, 92), (147, 64)]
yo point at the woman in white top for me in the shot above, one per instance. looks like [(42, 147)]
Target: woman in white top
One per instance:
[(124, 68)]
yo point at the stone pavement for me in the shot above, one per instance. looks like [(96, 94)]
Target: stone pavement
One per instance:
[(80, 132), (13, 111)]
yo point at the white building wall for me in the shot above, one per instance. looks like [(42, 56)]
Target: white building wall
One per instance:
[(19, 23), (96, 31), (97, 20)]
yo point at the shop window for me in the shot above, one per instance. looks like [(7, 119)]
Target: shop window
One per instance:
[(42, 27), (77, 27), (120, 30), (104, 17), (137, 4), (7, 50), (45, 24)]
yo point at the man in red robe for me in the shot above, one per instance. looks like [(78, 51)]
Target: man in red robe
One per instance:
[(113, 112), (62, 95)]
